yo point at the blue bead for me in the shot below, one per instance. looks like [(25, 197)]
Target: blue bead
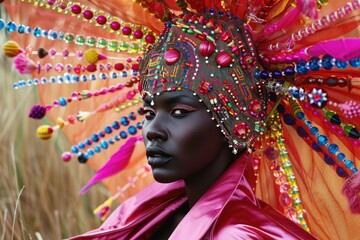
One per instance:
[(117, 138), (60, 79), (95, 137), (340, 172), (103, 76), (124, 74), (74, 149), (21, 29), (289, 71), (62, 101), (124, 121), (300, 115), (221, 13), (302, 67), (349, 163), (108, 129), (329, 160), (81, 145), (327, 62), (257, 73), (322, 140), (264, 75), (140, 111), (341, 64), (114, 75), (132, 130), (314, 130), (354, 62), (53, 35), (2, 24), (52, 79), (44, 33), (83, 78), (37, 32), (276, 74), (93, 77), (289, 120), (88, 142), (341, 156), (280, 109), (354, 170), (134, 73), (301, 132), (28, 29), (75, 78), (314, 63), (111, 141), (36, 82), (123, 134), (308, 123), (11, 27), (97, 149), (115, 125), (101, 134), (90, 152), (82, 157), (333, 148), (61, 35), (104, 144), (316, 147), (212, 11), (132, 116), (139, 125)]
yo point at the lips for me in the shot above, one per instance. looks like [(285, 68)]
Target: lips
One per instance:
[(157, 157)]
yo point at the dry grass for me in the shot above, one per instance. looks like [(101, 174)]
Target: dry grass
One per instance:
[(38, 192)]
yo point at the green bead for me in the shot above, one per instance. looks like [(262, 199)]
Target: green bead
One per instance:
[(124, 46), (69, 38), (190, 31), (134, 48), (101, 43), (90, 41), (80, 40), (350, 131), (113, 45)]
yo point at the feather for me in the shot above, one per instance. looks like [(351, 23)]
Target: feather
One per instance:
[(118, 161), (351, 190)]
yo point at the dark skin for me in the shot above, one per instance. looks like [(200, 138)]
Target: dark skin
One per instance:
[(182, 142)]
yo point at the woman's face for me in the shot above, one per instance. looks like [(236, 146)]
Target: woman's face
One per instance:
[(180, 138)]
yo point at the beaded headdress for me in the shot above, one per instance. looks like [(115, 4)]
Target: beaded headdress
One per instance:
[(213, 56), (279, 77)]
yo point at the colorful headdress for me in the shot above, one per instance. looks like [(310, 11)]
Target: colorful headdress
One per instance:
[(288, 69), (212, 55)]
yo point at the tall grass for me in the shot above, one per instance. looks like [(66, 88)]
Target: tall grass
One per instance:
[(38, 192)]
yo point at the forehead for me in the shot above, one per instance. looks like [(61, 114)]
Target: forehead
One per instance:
[(173, 97)]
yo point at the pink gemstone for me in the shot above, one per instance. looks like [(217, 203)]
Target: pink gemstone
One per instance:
[(103, 91), (76, 9), (355, 4), (340, 13), (66, 156), (115, 25), (88, 14), (101, 19), (96, 93), (138, 34), (149, 38), (126, 30), (65, 53), (130, 95), (51, 2), (52, 52), (48, 67), (347, 8), (112, 89), (285, 199)]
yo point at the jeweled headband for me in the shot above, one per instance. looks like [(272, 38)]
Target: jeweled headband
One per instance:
[(213, 56)]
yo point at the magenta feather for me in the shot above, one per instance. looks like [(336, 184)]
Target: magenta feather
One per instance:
[(118, 161), (342, 49), (351, 190), (24, 65)]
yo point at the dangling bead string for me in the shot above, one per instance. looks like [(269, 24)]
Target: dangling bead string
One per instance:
[(96, 17), (110, 45), (109, 129), (103, 145), (307, 137), (45, 131), (282, 170), (316, 26), (329, 81), (322, 140), (71, 78), (103, 210), (350, 109), (39, 111)]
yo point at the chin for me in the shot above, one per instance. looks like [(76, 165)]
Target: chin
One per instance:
[(163, 176)]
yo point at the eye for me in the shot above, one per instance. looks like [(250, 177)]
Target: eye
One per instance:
[(181, 110), (149, 113)]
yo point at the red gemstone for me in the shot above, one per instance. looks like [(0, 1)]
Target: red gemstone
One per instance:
[(149, 38), (119, 66), (207, 48), (241, 130), (91, 68), (76, 9), (138, 34), (223, 59), (88, 14), (101, 20), (126, 30), (115, 25)]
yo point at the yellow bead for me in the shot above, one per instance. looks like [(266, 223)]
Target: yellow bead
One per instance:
[(44, 132), (11, 49)]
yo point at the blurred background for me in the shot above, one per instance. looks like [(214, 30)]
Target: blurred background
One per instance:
[(38, 191)]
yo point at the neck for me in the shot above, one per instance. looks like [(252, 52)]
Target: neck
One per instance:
[(197, 185)]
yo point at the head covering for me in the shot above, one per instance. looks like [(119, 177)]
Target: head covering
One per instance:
[(213, 56)]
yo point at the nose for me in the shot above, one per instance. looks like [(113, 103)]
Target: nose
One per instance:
[(155, 129)]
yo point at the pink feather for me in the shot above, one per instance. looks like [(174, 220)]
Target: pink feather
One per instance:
[(118, 161), (342, 49), (351, 190), (24, 65)]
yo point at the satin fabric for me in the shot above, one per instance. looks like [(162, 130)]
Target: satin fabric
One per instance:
[(228, 210)]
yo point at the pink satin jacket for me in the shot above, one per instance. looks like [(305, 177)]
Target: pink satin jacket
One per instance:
[(228, 210)]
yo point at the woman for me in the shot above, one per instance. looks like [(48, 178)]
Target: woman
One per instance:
[(201, 112)]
